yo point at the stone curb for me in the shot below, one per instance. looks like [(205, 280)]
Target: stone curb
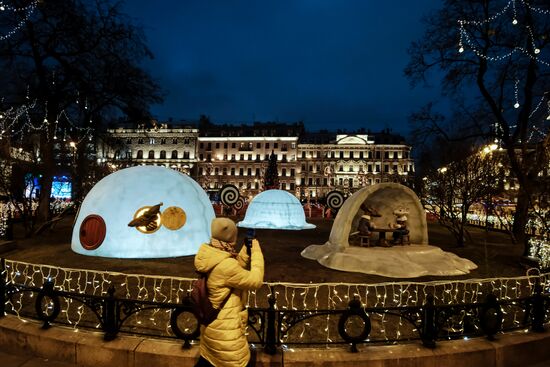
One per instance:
[(87, 349)]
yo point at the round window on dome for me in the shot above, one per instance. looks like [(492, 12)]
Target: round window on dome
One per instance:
[(92, 232)]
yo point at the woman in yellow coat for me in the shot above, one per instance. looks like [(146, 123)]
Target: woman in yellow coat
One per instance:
[(223, 343)]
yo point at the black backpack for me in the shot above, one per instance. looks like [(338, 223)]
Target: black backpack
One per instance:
[(200, 303)]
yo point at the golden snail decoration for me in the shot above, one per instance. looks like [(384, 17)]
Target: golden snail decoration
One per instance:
[(147, 219)]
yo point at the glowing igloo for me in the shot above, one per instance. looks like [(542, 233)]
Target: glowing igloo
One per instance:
[(177, 228), (275, 209)]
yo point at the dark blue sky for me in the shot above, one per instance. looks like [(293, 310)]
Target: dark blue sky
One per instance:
[(331, 63)]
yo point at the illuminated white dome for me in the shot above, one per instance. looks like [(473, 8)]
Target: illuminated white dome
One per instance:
[(182, 225), (275, 209)]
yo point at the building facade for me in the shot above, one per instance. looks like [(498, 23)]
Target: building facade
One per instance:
[(309, 164), (162, 145)]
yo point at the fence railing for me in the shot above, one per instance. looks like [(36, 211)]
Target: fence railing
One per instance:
[(279, 313)]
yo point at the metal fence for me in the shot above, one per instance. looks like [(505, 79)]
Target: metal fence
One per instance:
[(280, 314)]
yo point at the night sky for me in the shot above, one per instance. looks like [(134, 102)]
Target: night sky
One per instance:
[(331, 63)]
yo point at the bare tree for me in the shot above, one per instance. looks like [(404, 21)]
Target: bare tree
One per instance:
[(80, 61), (494, 58), (449, 191)]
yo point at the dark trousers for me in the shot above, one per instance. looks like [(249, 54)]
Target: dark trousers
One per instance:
[(202, 362)]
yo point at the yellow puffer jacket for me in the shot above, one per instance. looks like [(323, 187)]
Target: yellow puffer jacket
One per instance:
[(223, 342)]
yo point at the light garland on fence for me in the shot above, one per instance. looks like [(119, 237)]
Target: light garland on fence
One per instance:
[(289, 296)]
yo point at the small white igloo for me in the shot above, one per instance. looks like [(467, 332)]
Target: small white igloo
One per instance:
[(176, 228)]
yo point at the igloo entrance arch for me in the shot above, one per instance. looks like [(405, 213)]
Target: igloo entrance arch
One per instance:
[(415, 260)]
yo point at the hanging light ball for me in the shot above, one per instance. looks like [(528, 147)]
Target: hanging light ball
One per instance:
[(537, 51), (516, 105), (461, 49), (515, 21)]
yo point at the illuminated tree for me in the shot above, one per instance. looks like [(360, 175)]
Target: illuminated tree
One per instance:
[(495, 60), (449, 191), (79, 63)]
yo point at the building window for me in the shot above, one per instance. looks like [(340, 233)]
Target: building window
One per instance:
[(377, 154), (377, 168), (139, 154), (258, 145), (284, 158), (128, 141), (208, 157), (257, 171), (267, 157), (303, 154), (341, 154), (225, 145), (325, 181), (232, 157), (293, 145), (232, 171), (174, 140), (233, 145), (174, 154), (292, 185), (151, 154), (201, 157), (292, 172), (310, 181), (249, 171), (386, 168), (241, 171), (224, 171), (186, 141), (275, 145), (242, 157), (217, 145), (361, 155), (394, 155), (386, 155), (257, 157), (341, 169), (266, 145), (256, 185), (310, 168), (163, 141), (351, 168), (186, 155), (163, 154), (209, 146), (140, 141), (216, 171), (351, 155), (332, 154), (250, 157), (201, 145), (283, 172)]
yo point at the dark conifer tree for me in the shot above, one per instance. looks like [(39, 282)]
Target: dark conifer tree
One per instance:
[(271, 179)]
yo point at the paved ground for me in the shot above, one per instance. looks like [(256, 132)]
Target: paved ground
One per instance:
[(15, 360), (493, 252)]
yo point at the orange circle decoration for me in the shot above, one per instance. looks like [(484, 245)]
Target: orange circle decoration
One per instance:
[(174, 218), (92, 232), (153, 226)]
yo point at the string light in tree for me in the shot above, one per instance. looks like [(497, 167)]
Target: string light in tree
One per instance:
[(29, 9)]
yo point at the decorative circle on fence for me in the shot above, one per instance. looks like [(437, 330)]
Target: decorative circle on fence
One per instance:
[(491, 316), (239, 204), (229, 194), (192, 333), (355, 310), (92, 232), (43, 295), (335, 199)]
